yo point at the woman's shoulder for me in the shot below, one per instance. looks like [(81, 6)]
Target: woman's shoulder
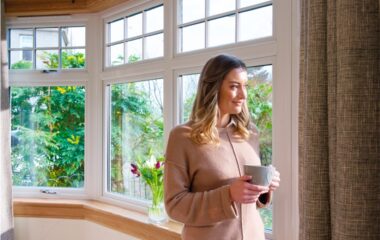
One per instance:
[(181, 131)]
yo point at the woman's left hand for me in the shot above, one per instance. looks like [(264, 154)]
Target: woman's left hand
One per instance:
[(275, 181)]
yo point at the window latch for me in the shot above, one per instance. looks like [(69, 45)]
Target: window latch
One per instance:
[(48, 191)]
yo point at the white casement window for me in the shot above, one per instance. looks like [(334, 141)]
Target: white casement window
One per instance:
[(45, 48), (210, 23), (135, 37), (135, 127), (48, 92)]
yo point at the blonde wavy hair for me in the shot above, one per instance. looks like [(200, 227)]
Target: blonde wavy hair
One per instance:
[(204, 115)]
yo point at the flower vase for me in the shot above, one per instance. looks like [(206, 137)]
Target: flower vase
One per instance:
[(157, 213)]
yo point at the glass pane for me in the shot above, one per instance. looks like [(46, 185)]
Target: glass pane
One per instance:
[(193, 37), (259, 100), (116, 30), (136, 132), (134, 25), (154, 46), (154, 19), (47, 138), (21, 59), (73, 37), (246, 3), (255, 24), (189, 89), (220, 6), (117, 54), (47, 59), (221, 31), (21, 38), (47, 37), (192, 10), (134, 51), (73, 58)]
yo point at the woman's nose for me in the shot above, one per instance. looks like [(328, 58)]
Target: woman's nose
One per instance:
[(242, 93)]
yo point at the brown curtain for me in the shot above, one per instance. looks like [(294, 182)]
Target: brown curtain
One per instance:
[(339, 116), (6, 215)]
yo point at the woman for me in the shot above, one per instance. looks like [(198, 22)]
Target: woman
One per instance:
[(205, 187)]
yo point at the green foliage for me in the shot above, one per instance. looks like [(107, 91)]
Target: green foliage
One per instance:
[(69, 60), (266, 216), (260, 107), (133, 58), (135, 121), (22, 64), (51, 61), (49, 123)]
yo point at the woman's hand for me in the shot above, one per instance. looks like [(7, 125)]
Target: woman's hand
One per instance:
[(275, 181), (242, 191)]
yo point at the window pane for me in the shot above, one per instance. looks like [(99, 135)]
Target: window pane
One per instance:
[(221, 31), (47, 136), (189, 88), (21, 59), (154, 46), (136, 130), (73, 58), (73, 37), (134, 51), (21, 38), (220, 6), (246, 3), (117, 54), (134, 25), (192, 10), (116, 30), (47, 59), (255, 24), (193, 37), (46, 37), (259, 100), (154, 19)]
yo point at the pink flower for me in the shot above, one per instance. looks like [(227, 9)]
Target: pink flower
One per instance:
[(158, 164), (135, 170)]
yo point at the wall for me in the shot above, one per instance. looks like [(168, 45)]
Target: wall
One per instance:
[(27, 228)]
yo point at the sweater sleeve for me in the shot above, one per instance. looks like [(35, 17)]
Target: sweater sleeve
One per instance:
[(191, 208), (264, 200)]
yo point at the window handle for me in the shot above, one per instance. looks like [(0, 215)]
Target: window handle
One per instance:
[(48, 191)]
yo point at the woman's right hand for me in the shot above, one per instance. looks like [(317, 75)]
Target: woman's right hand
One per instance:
[(241, 191)]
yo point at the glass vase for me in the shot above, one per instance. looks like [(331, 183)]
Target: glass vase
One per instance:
[(157, 213)]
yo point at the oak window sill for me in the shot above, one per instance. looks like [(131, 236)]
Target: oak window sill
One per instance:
[(119, 219)]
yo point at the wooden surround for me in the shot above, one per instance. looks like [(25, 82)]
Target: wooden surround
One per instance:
[(19, 8)]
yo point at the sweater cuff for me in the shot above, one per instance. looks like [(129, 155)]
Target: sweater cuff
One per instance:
[(229, 206), (264, 200)]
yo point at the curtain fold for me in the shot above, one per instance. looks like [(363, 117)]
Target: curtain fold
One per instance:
[(339, 120), (6, 213)]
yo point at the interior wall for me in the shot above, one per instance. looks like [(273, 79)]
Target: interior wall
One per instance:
[(27, 228)]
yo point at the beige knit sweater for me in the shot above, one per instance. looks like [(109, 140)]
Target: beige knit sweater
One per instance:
[(197, 179)]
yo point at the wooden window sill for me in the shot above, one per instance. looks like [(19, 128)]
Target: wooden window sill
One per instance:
[(117, 218)]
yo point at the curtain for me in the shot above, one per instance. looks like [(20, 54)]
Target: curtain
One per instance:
[(6, 215), (339, 116)]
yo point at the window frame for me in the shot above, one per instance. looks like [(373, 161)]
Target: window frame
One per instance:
[(34, 48), (123, 200), (130, 12), (62, 77), (178, 26)]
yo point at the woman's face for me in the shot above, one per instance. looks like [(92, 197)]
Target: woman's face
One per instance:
[(233, 92)]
